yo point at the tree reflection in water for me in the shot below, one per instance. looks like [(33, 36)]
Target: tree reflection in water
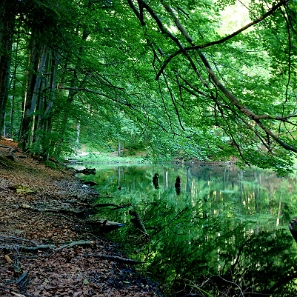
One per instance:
[(225, 234)]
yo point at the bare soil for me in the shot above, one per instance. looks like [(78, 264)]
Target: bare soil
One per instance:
[(51, 253)]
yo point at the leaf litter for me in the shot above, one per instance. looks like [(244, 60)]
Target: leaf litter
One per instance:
[(36, 255)]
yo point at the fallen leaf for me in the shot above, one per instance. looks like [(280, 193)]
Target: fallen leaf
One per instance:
[(7, 258)]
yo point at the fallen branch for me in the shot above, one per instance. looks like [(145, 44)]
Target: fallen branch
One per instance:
[(72, 244), (14, 238), (27, 248), (46, 246), (115, 258), (105, 225), (59, 210)]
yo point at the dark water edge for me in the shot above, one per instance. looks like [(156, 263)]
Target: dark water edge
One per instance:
[(223, 233)]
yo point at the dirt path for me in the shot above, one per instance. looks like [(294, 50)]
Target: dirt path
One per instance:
[(35, 260)]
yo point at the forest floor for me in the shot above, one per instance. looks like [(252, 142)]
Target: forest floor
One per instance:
[(48, 252)]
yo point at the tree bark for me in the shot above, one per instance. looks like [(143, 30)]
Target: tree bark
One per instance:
[(38, 58), (8, 10)]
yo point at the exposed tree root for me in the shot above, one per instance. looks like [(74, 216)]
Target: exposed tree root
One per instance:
[(56, 249)]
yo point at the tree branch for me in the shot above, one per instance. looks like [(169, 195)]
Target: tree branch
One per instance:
[(244, 110), (261, 18), (177, 23), (222, 40), (241, 107), (250, 114)]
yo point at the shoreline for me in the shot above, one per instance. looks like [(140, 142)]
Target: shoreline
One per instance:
[(36, 256)]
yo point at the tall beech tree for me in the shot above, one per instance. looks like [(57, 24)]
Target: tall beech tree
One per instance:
[(8, 11), (164, 67), (45, 45)]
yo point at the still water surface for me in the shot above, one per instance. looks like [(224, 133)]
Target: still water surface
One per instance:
[(223, 231)]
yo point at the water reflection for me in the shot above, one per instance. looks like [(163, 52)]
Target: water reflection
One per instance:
[(156, 181), (178, 185), (211, 229), (252, 191)]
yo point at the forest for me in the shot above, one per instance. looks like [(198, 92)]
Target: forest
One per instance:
[(206, 81), (209, 81)]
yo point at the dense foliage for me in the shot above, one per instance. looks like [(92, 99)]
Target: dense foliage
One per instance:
[(171, 77)]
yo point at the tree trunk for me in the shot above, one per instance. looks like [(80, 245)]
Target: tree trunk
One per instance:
[(38, 59), (119, 148), (74, 82), (43, 123), (8, 10)]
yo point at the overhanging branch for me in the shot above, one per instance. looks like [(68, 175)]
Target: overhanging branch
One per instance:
[(250, 114), (222, 40), (233, 100)]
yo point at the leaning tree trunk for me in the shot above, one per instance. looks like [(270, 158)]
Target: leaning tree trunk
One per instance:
[(8, 10)]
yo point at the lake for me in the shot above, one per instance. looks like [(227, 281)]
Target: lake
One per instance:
[(220, 231)]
